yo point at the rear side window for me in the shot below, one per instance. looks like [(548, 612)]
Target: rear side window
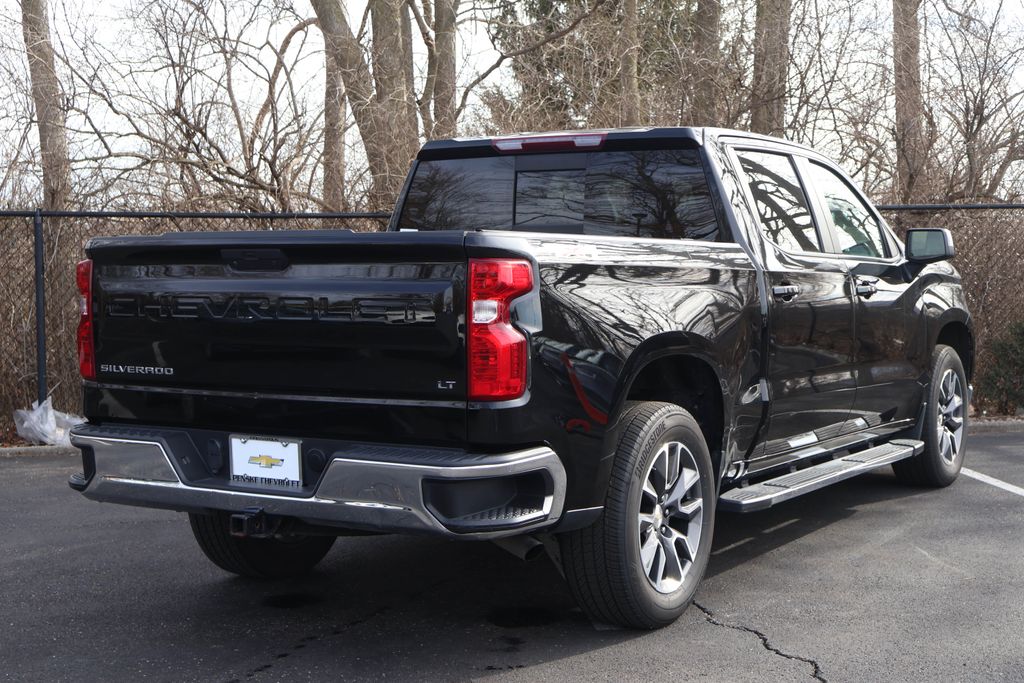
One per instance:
[(780, 200), (644, 193)]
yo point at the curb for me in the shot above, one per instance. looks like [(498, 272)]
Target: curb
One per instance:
[(992, 426), (32, 451)]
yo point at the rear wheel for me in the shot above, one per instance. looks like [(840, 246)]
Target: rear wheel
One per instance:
[(639, 565), (258, 558), (945, 425)]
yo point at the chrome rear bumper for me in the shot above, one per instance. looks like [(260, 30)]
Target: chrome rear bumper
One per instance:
[(416, 491)]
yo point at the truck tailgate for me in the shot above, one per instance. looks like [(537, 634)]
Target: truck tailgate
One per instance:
[(325, 313)]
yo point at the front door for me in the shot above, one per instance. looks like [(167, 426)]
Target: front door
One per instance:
[(889, 390), (810, 313)]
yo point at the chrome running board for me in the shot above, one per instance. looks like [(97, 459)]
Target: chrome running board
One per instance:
[(793, 484)]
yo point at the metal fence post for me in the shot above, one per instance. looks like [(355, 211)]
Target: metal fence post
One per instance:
[(37, 221)]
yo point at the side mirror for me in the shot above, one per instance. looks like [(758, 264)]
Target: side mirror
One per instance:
[(927, 245)]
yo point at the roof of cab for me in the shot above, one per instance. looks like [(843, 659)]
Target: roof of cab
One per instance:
[(620, 137)]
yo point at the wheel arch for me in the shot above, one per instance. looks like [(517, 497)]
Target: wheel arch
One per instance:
[(955, 331), (676, 368)]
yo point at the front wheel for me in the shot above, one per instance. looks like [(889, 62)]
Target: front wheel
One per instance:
[(640, 564), (257, 558), (945, 425)]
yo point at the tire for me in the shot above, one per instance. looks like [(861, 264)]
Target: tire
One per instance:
[(257, 558), (945, 425), (606, 564)]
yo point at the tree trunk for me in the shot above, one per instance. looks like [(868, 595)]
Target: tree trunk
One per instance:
[(910, 142), (46, 95), (629, 111), (334, 137), (444, 81), (707, 46), (387, 19), (399, 130), (378, 99), (771, 64), (408, 72)]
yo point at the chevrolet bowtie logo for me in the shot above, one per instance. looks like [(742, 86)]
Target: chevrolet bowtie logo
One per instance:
[(265, 461)]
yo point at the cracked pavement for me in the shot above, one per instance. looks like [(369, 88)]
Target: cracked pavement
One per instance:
[(867, 580), (765, 643)]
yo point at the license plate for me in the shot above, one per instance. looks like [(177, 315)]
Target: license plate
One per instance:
[(269, 463)]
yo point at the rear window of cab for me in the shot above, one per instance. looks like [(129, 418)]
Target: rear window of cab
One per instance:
[(643, 193)]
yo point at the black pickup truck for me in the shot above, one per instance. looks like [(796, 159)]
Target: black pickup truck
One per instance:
[(585, 342)]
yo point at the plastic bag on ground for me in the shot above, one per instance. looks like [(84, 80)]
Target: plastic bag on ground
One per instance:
[(44, 425)]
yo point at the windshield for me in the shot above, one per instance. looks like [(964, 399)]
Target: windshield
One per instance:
[(646, 193)]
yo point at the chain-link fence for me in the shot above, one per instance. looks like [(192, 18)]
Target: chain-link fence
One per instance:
[(17, 317), (990, 257), (989, 243)]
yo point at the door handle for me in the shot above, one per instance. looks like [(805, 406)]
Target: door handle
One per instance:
[(865, 287), (785, 292)]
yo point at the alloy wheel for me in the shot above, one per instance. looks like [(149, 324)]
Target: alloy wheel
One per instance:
[(670, 517), (950, 416)]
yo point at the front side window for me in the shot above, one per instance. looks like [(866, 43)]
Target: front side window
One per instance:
[(642, 193), (855, 228), (781, 204)]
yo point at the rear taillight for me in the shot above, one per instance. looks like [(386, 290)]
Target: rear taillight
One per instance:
[(86, 343), (497, 350)]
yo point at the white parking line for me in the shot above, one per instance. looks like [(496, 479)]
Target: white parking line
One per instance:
[(998, 483)]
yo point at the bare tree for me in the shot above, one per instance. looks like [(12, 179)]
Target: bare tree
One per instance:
[(707, 65), (575, 79), (210, 106), (392, 67), (211, 114), (445, 74), (982, 147), (334, 136), (408, 67), (771, 62), (207, 105), (911, 146), (628, 85), (46, 94), (438, 25), (839, 64), (378, 97)]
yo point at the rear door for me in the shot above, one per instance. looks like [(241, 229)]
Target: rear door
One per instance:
[(811, 324), (889, 391)]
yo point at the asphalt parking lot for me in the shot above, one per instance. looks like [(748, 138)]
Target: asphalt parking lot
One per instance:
[(867, 580)]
